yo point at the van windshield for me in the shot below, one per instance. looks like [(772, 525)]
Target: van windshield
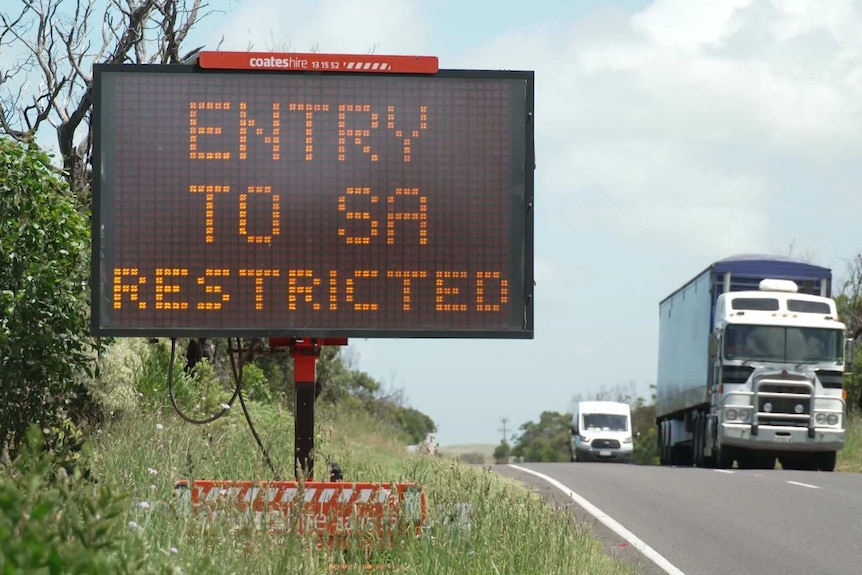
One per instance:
[(606, 422)]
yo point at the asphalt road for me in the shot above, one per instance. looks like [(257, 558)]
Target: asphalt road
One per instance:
[(705, 521)]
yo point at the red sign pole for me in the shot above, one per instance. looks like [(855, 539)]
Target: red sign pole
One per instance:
[(305, 353)]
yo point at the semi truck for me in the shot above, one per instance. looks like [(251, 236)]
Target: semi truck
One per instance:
[(751, 364)]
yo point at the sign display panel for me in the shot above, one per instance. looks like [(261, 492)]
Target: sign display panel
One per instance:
[(248, 203)]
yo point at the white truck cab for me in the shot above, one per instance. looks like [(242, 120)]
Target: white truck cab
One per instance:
[(601, 431), (779, 362)]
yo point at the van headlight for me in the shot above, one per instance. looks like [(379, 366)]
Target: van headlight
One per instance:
[(627, 440), (585, 439)]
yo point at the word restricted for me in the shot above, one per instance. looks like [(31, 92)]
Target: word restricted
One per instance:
[(172, 288)]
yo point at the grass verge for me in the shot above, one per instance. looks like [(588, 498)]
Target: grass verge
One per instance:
[(850, 457), (508, 529)]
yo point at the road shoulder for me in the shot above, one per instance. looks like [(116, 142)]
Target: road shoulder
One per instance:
[(614, 545)]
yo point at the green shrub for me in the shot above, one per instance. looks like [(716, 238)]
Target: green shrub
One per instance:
[(55, 523), (255, 385), (501, 452), (45, 353), (645, 449), (120, 366), (198, 393)]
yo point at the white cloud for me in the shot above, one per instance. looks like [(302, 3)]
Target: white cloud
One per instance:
[(385, 26), (663, 192), (693, 116), (688, 25)]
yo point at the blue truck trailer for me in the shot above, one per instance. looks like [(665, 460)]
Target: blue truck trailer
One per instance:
[(751, 363)]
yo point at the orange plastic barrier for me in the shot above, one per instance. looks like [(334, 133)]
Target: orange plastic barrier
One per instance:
[(332, 511)]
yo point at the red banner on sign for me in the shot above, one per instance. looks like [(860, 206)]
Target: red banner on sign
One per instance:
[(336, 512), (312, 62)]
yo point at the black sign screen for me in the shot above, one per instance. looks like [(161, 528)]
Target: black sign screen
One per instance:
[(262, 203)]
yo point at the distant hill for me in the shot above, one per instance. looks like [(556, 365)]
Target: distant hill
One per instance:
[(485, 449)]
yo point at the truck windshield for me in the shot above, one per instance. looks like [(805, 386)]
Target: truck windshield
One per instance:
[(606, 422), (789, 344)]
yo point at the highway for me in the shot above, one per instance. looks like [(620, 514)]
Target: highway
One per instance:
[(714, 522)]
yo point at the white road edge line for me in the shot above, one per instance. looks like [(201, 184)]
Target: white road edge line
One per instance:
[(722, 470), (610, 523), (808, 485)]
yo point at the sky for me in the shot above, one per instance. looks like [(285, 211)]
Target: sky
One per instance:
[(669, 134)]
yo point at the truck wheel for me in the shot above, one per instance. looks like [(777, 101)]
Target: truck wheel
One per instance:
[(666, 448), (708, 460), (724, 457), (697, 440), (682, 456), (826, 461), (662, 444)]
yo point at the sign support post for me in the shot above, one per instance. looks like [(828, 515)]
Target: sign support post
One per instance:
[(305, 353)]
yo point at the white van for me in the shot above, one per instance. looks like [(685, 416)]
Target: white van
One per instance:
[(602, 431)]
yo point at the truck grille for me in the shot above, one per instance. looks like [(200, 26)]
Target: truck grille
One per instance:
[(778, 399), (779, 406), (605, 444), (786, 389)]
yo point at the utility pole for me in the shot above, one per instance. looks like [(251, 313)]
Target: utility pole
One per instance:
[(503, 429)]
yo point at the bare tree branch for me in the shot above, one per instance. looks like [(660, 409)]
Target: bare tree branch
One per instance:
[(60, 45), (850, 295)]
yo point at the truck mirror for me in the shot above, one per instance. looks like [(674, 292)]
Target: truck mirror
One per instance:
[(849, 352), (714, 346)]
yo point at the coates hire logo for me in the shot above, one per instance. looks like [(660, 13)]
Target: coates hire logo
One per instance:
[(319, 62), (292, 63), (276, 62)]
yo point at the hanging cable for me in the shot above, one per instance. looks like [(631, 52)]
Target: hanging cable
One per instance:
[(182, 415), (238, 378), (237, 374)]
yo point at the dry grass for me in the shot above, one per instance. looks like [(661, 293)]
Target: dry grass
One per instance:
[(505, 529), (850, 458)]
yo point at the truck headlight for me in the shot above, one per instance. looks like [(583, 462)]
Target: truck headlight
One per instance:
[(820, 418), (730, 414), (743, 415), (832, 419)]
